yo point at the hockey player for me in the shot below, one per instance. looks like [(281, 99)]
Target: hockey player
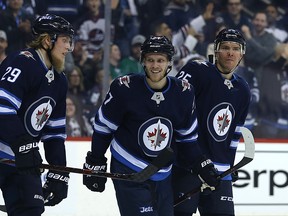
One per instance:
[(32, 108), (222, 100), (138, 119)]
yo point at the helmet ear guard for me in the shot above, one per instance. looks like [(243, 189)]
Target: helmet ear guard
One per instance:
[(231, 35)]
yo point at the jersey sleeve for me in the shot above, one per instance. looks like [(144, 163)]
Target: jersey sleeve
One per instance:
[(107, 120), (186, 136), (14, 85), (54, 133)]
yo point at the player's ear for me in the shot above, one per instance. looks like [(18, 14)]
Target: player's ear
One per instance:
[(46, 42)]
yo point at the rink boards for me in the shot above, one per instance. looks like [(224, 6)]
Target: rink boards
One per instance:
[(261, 190)]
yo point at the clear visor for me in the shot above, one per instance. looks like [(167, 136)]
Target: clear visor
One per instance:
[(225, 46)]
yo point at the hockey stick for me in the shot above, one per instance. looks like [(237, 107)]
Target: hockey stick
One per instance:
[(3, 208), (160, 161), (248, 157)]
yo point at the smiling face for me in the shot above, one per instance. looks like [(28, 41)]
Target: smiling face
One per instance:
[(228, 56), (156, 68)]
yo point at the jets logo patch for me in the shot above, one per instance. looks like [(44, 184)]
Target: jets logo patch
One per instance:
[(154, 135), (124, 80), (186, 85), (219, 121), (38, 114), (27, 54)]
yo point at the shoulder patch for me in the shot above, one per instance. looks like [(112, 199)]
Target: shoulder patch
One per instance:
[(27, 54), (124, 80), (199, 61), (186, 85)]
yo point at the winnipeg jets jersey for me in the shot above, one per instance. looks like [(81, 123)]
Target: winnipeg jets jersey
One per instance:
[(139, 122), (32, 102), (222, 106)]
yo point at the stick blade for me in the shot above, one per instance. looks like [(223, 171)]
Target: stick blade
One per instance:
[(249, 142), (160, 161), (3, 208)]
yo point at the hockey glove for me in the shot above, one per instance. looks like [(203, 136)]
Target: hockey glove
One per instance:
[(27, 156), (207, 173), (55, 188), (94, 183)]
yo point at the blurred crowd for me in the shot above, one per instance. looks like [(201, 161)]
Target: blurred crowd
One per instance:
[(191, 25)]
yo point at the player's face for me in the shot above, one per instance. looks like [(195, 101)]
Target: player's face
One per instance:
[(228, 56), (59, 51), (156, 69)]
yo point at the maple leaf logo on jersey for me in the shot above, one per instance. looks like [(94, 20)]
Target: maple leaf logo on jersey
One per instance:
[(124, 80), (219, 121), (42, 116), (27, 54), (223, 122), (185, 85), (156, 137), (37, 115)]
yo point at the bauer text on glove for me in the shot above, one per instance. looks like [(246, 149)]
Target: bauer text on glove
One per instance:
[(94, 183), (55, 188)]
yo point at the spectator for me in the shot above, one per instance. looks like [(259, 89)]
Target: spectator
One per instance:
[(76, 86), (274, 96), (75, 126), (129, 18), (93, 100), (131, 64), (3, 45), (149, 12), (260, 44), (68, 9), (249, 75), (16, 22), (115, 58), (178, 13), (91, 26), (88, 58), (80, 53), (184, 40), (274, 25), (234, 17)]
